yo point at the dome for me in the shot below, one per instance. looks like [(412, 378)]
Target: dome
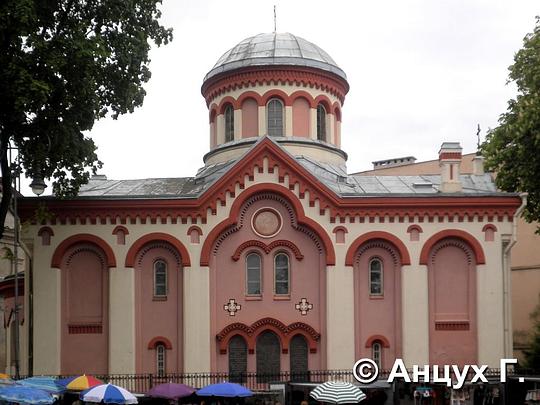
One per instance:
[(277, 49)]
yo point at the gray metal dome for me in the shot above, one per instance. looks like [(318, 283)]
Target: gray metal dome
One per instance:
[(275, 49)]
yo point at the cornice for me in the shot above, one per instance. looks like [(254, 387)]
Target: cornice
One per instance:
[(261, 75)]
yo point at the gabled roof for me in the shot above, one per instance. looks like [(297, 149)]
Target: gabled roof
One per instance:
[(334, 177)]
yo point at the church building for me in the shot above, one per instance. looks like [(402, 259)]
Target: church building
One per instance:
[(272, 258)]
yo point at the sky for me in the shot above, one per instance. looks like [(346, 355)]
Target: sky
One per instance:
[(420, 72)]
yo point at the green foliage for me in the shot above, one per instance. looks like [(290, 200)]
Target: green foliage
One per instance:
[(532, 355), (512, 149), (63, 65)]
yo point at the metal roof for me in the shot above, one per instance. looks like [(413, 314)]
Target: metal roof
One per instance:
[(275, 49), (332, 176)]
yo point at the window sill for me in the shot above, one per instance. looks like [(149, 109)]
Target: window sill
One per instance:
[(253, 298), (282, 297), (376, 297), (159, 298)]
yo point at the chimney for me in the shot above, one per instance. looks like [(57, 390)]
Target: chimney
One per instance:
[(478, 165), (450, 162)]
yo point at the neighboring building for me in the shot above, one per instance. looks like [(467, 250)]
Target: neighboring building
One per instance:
[(272, 258), (525, 258)]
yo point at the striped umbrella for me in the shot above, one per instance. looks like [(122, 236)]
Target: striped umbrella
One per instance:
[(338, 392), (80, 383), (108, 394)]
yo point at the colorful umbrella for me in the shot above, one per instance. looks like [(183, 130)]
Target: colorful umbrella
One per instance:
[(80, 383), (26, 395), (48, 384), (224, 389), (338, 392), (108, 394), (171, 391)]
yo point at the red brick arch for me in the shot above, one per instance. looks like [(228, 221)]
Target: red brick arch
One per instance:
[(227, 101), (404, 256), (291, 198), (157, 236), (284, 333), (453, 233), (157, 340), (61, 249), (250, 94), (372, 339), (276, 93), (305, 95)]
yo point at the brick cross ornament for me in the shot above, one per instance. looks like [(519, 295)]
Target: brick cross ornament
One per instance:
[(303, 306), (232, 306)]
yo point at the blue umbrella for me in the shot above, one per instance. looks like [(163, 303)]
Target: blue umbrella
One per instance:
[(27, 395), (48, 384), (224, 389)]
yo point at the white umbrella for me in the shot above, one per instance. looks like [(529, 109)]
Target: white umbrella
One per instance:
[(338, 392)]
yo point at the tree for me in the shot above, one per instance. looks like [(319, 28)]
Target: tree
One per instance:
[(63, 65), (512, 149)]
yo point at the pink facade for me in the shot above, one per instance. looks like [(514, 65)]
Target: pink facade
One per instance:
[(268, 238), (84, 321), (452, 303), (301, 117), (250, 118), (158, 315), (377, 305)]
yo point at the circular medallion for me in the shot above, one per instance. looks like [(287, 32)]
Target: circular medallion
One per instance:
[(266, 222)]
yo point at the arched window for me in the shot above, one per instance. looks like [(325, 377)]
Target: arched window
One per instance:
[(160, 359), (281, 274), (298, 356), (160, 278), (268, 350), (237, 359), (253, 274), (274, 117), (229, 123), (375, 277), (321, 123), (376, 353)]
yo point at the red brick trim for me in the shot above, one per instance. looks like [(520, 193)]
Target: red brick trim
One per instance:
[(250, 94), (489, 226), (290, 197), (277, 93), (414, 228), (340, 228), (372, 339), (264, 75), (450, 155), (453, 233), (267, 248), (325, 101), (157, 236), (120, 228), (452, 325), (305, 95), (404, 256), (284, 332), (157, 340), (61, 249), (194, 228), (86, 329), (227, 101), (45, 229)]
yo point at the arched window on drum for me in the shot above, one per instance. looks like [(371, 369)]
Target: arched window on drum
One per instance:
[(274, 117), (321, 123)]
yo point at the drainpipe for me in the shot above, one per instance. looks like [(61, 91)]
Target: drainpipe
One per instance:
[(508, 349), (30, 302)]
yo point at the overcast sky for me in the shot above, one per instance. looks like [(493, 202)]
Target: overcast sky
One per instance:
[(420, 72)]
